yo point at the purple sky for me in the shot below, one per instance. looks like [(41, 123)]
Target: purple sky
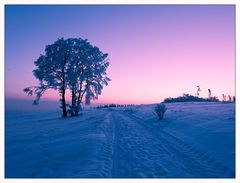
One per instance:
[(155, 51)]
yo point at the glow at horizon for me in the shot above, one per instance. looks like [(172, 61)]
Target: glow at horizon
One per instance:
[(155, 51)]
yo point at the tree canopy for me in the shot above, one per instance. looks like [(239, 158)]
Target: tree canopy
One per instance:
[(72, 64)]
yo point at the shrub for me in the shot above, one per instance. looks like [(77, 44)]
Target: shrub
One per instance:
[(159, 110)]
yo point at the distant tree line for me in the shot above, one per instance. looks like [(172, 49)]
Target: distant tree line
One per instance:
[(191, 98), (113, 105), (196, 98), (228, 98)]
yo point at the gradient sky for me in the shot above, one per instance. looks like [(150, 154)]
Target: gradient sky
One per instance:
[(155, 51)]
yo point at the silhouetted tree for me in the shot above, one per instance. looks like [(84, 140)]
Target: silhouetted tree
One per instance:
[(198, 90), (229, 98), (51, 72), (224, 97), (86, 73), (233, 99), (209, 94), (74, 64)]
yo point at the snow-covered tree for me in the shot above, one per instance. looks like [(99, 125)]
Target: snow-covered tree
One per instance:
[(51, 72), (87, 73), (71, 64)]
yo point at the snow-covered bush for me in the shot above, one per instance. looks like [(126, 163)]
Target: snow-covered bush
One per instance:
[(159, 110)]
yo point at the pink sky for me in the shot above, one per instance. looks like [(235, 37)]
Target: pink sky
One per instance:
[(155, 51)]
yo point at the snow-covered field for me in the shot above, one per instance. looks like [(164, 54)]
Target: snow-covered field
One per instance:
[(193, 140)]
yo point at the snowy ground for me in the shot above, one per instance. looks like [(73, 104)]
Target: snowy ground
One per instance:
[(193, 140)]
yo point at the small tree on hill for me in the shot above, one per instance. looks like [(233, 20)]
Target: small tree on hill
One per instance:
[(234, 99), (229, 98), (209, 94), (224, 98), (198, 90)]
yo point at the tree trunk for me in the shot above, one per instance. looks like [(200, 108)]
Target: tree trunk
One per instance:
[(79, 99), (73, 108), (64, 108)]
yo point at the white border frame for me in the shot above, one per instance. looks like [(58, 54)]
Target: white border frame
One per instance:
[(178, 2)]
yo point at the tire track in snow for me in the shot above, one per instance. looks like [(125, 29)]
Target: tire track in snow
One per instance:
[(123, 149), (137, 153), (50, 163), (197, 163), (107, 147)]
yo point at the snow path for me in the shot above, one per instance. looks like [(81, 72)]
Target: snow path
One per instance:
[(136, 153), (186, 158), (116, 143), (142, 151)]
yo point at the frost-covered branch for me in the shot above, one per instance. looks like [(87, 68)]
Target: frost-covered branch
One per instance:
[(71, 64)]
